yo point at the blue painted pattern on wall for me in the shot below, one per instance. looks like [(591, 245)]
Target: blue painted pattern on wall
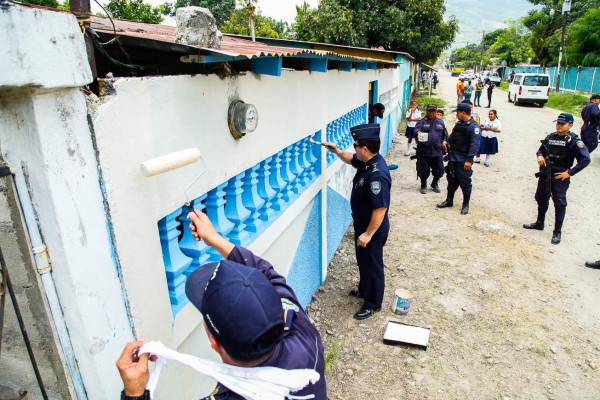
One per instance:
[(240, 209), (338, 131), (305, 272), (338, 219)]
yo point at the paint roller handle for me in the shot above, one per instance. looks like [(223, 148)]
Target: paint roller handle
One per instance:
[(203, 229)]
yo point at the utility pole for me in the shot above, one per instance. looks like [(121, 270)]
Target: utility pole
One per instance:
[(565, 11), (481, 61)]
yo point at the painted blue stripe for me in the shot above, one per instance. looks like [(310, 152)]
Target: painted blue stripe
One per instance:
[(338, 220)]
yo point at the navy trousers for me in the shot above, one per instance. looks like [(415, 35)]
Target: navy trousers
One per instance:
[(589, 136), (559, 198), (433, 164), (370, 264), (461, 178)]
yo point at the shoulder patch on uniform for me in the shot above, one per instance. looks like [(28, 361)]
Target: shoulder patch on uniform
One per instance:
[(580, 144), (376, 187), (477, 131)]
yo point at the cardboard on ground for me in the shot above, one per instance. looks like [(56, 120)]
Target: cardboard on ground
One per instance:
[(400, 333)]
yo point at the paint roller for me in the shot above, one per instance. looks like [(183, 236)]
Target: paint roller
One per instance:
[(171, 161)]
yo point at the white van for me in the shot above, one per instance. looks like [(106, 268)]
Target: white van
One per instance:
[(529, 88)]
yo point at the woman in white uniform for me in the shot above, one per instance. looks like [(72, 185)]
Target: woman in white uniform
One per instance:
[(489, 142)]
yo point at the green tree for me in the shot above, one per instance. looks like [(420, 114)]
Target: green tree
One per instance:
[(545, 23), (220, 9), (470, 55), (264, 26), (512, 45), (416, 27), (583, 46), (135, 10)]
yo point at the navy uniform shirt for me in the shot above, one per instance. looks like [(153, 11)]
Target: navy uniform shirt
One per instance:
[(563, 152), (591, 117), (474, 136), (436, 135), (300, 348), (371, 188)]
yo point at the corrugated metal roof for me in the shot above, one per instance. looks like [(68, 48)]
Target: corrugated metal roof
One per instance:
[(230, 45)]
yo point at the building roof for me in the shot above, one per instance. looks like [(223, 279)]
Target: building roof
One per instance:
[(236, 47)]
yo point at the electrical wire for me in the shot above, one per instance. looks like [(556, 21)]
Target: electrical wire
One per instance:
[(116, 37)]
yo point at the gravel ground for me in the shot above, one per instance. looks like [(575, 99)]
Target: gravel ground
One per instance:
[(511, 315)]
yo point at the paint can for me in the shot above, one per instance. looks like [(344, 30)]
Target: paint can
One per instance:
[(401, 304)]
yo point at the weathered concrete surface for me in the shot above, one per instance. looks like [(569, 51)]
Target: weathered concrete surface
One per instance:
[(196, 26)]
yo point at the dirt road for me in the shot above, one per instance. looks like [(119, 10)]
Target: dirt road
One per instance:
[(511, 315)]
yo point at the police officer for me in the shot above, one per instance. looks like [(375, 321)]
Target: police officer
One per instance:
[(559, 149), (251, 316), (464, 143), (369, 201), (431, 133), (591, 123)]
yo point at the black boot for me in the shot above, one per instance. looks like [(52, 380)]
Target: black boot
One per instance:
[(449, 202), (434, 185), (465, 206), (538, 224), (556, 233), (423, 186), (593, 264)]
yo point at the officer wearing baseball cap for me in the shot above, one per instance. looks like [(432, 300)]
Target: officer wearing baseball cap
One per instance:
[(555, 157), (464, 144), (251, 316), (591, 122), (431, 134), (369, 201)]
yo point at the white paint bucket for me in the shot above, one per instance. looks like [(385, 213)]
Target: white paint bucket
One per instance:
[(402, 299)]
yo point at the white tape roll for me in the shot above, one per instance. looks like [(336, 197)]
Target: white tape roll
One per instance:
[(170, 161)]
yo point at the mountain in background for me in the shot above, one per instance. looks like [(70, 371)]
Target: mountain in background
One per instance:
[(476, 16)]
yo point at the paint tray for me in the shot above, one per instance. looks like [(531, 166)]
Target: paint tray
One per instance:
[(400, 333)]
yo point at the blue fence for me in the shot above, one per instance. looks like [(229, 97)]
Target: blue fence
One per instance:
[(338, 131), (572, 78)]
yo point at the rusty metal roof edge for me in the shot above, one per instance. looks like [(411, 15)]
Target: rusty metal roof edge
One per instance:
[(324, 44)]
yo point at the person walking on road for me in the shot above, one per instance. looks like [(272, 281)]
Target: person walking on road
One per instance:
[(478, 90), (435, 80), (460, 91), (413, 114), (556, 156), (489, 142), (469, 90), (489, 86), (431, 134), (591, 122), (463, 144)]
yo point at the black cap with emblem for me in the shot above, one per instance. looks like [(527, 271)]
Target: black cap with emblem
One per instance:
[(365, 131)]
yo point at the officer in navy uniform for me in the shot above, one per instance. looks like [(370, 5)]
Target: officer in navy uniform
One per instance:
[(431, 134), (251, 316), (564, 147), (370, 200), (591, 122), (464, 144)]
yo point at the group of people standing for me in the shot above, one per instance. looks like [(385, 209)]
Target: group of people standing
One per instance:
[(465, 89)]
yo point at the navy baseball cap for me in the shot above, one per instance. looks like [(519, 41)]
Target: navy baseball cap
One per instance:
[(564, 118), (239, 305), (463, 107), (431, 107), (365, 131)]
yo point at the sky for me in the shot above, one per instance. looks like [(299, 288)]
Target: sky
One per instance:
[(276, 9)]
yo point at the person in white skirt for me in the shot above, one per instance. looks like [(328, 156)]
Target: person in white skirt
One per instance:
[(489, 142)]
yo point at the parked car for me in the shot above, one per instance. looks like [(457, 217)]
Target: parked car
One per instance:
[(529, 88), (492, 76), (467, 74)]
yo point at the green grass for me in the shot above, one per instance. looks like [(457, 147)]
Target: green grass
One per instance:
[(423, 101), (568, 102), (503, 86), (333, 353)]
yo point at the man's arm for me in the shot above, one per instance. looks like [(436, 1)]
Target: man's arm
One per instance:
[(345, 156), (377, 217), (133, 370), (203, 229)]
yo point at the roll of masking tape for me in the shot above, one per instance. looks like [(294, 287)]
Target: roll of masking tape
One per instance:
[(169, 162)]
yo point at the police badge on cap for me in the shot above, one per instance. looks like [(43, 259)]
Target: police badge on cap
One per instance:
[(365, 131)]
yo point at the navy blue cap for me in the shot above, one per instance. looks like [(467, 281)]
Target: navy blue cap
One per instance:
[(431, 107), (595, 97), (365, 131), (466, 107), (239, 306), (564, 118)]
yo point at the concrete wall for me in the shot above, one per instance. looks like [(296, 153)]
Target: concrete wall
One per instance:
[(113, 235)]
